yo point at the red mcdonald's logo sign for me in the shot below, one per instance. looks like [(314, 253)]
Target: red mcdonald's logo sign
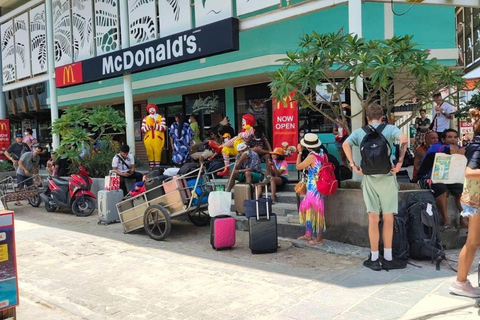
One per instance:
[(68, 75)]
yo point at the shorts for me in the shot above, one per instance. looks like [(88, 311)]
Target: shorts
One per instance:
[(284, 181), (205, 154), (380, 193), (438, 189), (24, 181), (468, 211), (256, 177)]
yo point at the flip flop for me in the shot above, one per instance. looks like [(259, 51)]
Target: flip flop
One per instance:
[(304, 238), (314, 242)]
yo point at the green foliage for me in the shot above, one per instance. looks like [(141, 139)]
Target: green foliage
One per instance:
[(6, 166), (98, 164), (81, 127), (474, 102), (384, 66)]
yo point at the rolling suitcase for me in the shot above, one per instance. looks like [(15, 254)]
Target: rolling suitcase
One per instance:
[(241, 192), (262, 232), (155, 183), (222, 232), (107, 205)]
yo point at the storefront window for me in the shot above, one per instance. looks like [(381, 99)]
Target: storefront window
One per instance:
[(209, 107), (256, 101)]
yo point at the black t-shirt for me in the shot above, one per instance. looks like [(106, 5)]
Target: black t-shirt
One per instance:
[(16, 150), (472, 152), (63, 165)]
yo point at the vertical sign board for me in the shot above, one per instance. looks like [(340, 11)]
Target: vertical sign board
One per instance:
[(4, 137), (466, 128), (285, 124), (8, 263)]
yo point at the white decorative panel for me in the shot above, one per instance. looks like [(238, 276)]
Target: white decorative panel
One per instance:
[(82, 26), (62, 32), (142, 21), (247, 6), (107, 34), (8, 52), (209, 11), (22, 45), (38, 39), (175, 16)]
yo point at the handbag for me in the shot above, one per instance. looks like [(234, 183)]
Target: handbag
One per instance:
[(112, 181), (301, 186)]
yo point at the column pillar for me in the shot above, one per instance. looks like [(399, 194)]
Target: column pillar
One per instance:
[(3, 103), (127, 79), (51, 70)]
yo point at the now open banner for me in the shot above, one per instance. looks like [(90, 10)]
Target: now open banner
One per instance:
[(4, 137), (285, 124)]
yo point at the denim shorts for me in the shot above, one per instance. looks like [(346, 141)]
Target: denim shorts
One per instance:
[(468, 211)]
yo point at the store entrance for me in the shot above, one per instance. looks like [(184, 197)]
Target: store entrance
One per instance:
[(169, 111)]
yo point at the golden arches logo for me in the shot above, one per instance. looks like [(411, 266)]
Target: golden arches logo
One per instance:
[(67, 74), (3, 126), (285, 102)]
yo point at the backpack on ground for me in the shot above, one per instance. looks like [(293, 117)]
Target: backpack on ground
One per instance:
[(423, 228), (326, 181), (375, 151), (400, 248)]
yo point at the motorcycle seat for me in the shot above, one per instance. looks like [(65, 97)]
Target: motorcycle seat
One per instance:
[(60, 181)]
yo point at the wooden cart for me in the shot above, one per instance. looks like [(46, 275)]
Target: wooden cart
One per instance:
[(176, 200)]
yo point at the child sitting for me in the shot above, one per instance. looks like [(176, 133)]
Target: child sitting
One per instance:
[(138, 187)]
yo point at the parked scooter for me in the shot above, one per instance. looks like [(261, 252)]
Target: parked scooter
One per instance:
[(74, 193)]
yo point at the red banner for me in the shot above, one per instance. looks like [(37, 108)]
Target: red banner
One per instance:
[(4, 137), (285, 124), (69, 75)]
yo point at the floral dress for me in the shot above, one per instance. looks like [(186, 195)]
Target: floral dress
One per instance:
[(181, 145), (312, 208)]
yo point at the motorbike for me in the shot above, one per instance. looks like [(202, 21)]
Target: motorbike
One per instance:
[(74, 193)]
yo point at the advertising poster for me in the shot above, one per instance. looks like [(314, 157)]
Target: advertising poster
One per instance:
[(285, 124), (4, 137), (466, 130), (8, 265), (449, 169)]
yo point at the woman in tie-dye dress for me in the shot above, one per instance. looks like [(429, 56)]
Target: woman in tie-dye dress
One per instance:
[(312, 208)]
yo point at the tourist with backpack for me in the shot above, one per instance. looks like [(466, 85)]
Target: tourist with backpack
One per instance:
[(470, 201), (311, 212), (379, 185)]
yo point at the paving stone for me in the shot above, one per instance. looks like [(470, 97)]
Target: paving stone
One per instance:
[(382, 309), (343, 249)]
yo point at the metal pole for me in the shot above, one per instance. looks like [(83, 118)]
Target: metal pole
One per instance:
[(355, 27), (51, 70), (3, 103), (127, 79)]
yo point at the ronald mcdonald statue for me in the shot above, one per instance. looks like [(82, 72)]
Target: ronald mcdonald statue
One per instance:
[(230, 147), (153, 128)]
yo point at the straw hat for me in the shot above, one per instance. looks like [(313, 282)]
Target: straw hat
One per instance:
[(277, 151), (310, 140)]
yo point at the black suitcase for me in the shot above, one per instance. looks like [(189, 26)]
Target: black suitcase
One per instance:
[(153, 184), (262, 232)]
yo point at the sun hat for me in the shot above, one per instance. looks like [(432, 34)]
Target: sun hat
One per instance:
[(241, 147), (278, 151), (310, 140)]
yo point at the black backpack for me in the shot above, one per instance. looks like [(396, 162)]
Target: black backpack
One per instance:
[(375, 151), (423, 228), (188, 168), (400, 240)]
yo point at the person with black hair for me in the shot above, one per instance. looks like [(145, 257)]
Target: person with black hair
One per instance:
[(278, 169), (181, 138), (196, 133), (123, 164)]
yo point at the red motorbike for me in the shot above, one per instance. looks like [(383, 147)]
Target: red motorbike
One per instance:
[(74, 193)]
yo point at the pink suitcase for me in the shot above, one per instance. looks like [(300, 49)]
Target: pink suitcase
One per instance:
[(222, 232)]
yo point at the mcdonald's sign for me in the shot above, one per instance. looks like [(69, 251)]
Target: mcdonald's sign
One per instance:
[(4, 137), (69, 75), (285, 123)]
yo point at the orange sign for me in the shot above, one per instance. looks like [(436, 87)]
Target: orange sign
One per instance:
[(68, 75), (285, 124)]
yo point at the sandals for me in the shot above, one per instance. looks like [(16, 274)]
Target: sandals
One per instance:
[(304, 238), (314, 242)]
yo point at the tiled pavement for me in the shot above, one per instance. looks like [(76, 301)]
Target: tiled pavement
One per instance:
[(72, 268)]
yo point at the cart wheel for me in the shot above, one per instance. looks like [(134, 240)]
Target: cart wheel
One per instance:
[(199, 218), (156, 222), (50, 207), (35, 201), (83, 206)]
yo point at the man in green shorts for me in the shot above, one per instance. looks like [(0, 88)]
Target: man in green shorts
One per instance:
[(379, 184), (247, 167)]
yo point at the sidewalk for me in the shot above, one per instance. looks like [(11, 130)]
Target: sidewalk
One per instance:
[(73, 268)]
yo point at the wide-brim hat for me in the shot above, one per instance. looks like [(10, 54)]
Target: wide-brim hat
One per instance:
[(241, 147), (278, 151), (310, 140)]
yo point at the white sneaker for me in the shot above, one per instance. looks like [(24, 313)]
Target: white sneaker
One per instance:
[(464, 289)]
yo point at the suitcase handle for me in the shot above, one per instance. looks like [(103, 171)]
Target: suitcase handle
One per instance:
[(266, 203)]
